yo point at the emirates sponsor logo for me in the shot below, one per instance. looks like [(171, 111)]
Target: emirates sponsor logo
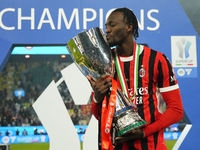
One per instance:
[(141, 91)]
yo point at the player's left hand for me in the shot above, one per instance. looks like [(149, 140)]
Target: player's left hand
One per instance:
[(133, 135)]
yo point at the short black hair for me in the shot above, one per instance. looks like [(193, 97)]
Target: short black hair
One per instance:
[(130, 18)]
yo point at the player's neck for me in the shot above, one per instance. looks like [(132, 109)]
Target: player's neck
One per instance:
[(126, 49)]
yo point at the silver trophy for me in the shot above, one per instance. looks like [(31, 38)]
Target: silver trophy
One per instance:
[(92, 55)]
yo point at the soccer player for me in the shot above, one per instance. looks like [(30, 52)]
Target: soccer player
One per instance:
[(155, 78)]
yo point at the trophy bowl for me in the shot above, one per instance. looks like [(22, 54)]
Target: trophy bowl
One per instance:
[(92, 55)]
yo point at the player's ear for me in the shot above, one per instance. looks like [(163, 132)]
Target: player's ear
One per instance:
[(129, 27)]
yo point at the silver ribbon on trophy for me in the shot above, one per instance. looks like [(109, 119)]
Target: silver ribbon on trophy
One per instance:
[(92, 55)]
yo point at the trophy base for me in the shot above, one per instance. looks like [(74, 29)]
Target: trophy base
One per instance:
[(131, 127), (127, 119)]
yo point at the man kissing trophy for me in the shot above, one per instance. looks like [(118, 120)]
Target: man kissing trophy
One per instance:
[(93, 56)]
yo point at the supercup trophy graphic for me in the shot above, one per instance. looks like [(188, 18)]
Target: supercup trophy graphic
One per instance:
[(92, 55)]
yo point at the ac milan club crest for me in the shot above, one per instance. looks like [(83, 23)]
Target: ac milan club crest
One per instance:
[(142, 72)]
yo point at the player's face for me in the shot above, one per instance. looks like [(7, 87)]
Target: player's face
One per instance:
[(115, 29)]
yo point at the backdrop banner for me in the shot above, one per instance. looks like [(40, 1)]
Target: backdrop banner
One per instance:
[(163, 25)]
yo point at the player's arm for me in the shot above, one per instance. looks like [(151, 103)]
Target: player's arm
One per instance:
[(169, 89), (173, 114), (100, 87)]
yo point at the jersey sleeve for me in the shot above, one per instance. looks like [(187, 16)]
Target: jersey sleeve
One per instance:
[(166, 75), (96, 108)]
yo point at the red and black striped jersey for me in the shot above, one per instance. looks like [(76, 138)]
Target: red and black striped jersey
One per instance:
[(155, 75), (156, 79)]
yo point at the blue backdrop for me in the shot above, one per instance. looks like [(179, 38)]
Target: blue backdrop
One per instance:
[(164, 26)]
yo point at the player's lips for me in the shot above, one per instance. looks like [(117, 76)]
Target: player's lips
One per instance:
[(107, 37)]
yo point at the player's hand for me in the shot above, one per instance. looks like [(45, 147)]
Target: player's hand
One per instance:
[(133, 135), (100, 86)]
